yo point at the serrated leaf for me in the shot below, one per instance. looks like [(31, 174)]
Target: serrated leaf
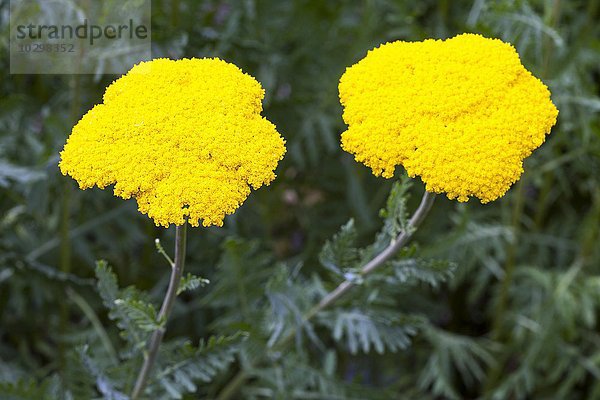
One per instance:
[(141, 313), (103, 384), (114, 299), (396, 212), (185, 364), (454, 353), (191, 282), (414, 270), (107, 285), (339, 253), (360, 330)]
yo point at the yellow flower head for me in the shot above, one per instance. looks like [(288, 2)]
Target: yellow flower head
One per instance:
[(460, 113), (184, 138)]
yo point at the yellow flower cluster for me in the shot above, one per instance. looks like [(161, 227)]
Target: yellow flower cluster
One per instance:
[(184, 138), (460, 113)]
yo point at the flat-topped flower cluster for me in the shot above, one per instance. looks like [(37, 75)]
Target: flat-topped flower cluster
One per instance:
[(460, 113), (185, 138)]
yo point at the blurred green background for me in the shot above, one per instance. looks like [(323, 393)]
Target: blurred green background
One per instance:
[(519, 318)]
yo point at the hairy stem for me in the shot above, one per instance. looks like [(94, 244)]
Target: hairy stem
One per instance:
[(426, 202), (165, 311)]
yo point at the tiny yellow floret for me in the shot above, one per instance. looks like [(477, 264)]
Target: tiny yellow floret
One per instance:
[(185, 138), (460, 113)]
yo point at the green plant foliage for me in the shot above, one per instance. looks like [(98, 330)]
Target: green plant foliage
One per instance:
[(191, 282), (454, 354), (495, 301), (431, 272), (339, 253), (185, 364), (395, 211), (28, 390), (134, 317), (379, 331)]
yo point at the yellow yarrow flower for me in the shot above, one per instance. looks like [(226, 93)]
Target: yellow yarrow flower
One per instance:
[(460, 113), (185, 138)]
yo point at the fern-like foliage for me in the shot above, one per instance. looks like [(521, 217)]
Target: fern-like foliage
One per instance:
[(395, 213), (104, 385), (369, 320), (294, 379), (367, 330), (470, 357), (29, 389), (339, 254), (410, 271), (190, 282), (536, 248), (183, 365), (134, 317)]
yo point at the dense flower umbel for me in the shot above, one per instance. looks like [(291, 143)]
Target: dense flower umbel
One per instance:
[(461, 113), (184, 138)]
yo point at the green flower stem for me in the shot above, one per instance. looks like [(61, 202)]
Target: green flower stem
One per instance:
[(396, 245), (165, 311)]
